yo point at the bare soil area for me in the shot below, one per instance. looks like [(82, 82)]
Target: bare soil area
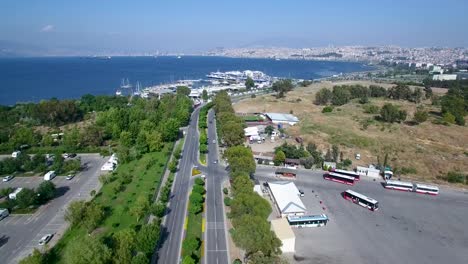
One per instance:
[(431, 149)]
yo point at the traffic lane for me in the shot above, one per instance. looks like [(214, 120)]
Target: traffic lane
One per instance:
[(24, 231), (169, 251), (406, 222)]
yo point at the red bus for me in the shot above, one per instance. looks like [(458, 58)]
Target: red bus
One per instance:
[(332, 176), (348, 173), (361, 200)]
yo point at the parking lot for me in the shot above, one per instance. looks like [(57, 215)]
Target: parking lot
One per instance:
[(20, 234), (407, 228)]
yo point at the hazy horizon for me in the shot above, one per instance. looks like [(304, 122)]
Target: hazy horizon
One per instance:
[(52, 27)]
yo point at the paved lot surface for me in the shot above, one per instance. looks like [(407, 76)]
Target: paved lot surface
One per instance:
[(216, 243), (408, 227), (172, 231), (20, 234)]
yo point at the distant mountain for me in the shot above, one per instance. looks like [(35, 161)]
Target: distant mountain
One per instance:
[(17, 49), (288, 42)]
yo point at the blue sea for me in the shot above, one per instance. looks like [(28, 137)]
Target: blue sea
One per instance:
[(34, 79)]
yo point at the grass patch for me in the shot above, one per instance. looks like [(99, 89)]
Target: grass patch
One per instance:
[(252, 118), (203, 159), (338, 136), (195, 172), (145, 175)]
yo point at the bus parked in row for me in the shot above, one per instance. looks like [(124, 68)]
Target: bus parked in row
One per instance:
[(361, 200), (411, 187), (332, 176), (356, 176), (308, 220)]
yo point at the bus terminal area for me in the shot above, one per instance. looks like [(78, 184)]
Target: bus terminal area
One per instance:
[(406, 222)]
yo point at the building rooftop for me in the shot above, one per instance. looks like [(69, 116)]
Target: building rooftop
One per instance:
[(282, 117), (282, 228), (286, 195)]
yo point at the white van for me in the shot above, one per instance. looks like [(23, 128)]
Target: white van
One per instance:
[(49, 175), (3, 213), (15, 154)]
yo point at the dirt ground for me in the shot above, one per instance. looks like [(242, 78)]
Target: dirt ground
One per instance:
[(429, 148)]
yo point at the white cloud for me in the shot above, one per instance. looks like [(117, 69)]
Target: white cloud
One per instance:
[(47, 28)]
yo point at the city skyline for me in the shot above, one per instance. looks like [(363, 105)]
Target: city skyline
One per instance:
[(121, 27)]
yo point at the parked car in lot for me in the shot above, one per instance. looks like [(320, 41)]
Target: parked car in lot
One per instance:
[(8, 178), (70, 176), (301, 193), (45, 239), (68, 155)]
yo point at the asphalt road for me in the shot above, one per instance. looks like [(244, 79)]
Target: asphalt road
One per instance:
[(20, 234), (407, 228), (172, 231), (216, 240)]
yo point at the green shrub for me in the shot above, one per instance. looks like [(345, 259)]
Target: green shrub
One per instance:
[(225, 191), (327, 109), (347, 162), (227, 201), (455, 177), (371, 109), (199, 181)]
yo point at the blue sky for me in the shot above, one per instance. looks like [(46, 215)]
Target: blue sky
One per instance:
[(187, 26)]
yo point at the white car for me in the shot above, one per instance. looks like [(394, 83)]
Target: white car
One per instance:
[(7, 178), (45, 239), (70, 176)]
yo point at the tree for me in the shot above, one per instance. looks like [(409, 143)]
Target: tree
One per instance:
[(341, 95), (282, 87), (323, 96), (249, 203), (253, 234), (45, 191), (126, 139), (308, 162), (420, 116), (335, 152), (199, 181), (260, 258), (242, 184), (390, 113), (328, 155), (188, 260), (147, 237), (196, 198), (269, 130), (190, 245), (205, 95), (75, 212), (279, 158), (158, 209), (240, 159), (125, 243), (94, 215), (26, 198), (170, 130), (183, 90), (35, 258), (416, 95), (140, 258), (86, 250), (140, 207), (448, 118), (249, 83), (198, 189)]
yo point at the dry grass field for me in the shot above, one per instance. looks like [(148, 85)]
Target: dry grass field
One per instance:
[(430, 149)]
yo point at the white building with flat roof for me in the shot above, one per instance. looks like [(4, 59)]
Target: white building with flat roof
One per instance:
[(279, 118), (286, 197)]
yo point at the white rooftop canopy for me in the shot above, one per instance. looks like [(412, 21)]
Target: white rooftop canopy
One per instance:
[(287, 198)]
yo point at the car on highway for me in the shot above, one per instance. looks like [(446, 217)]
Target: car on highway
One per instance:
[(70, 176), (214, 141), (216, 161), (45, 239), (8, 178), (203, 176)]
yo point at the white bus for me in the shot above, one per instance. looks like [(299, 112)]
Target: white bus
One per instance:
[(361, 200), (426, 189), (308, 220), (356, 175), (331, 176), (399, 185)]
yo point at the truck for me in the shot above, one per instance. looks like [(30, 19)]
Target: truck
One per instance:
[(49, 175), (12, 195), (3, 213)]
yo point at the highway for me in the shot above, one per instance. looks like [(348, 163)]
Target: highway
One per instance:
[(172, 232), (407, 228), (216, 240)]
